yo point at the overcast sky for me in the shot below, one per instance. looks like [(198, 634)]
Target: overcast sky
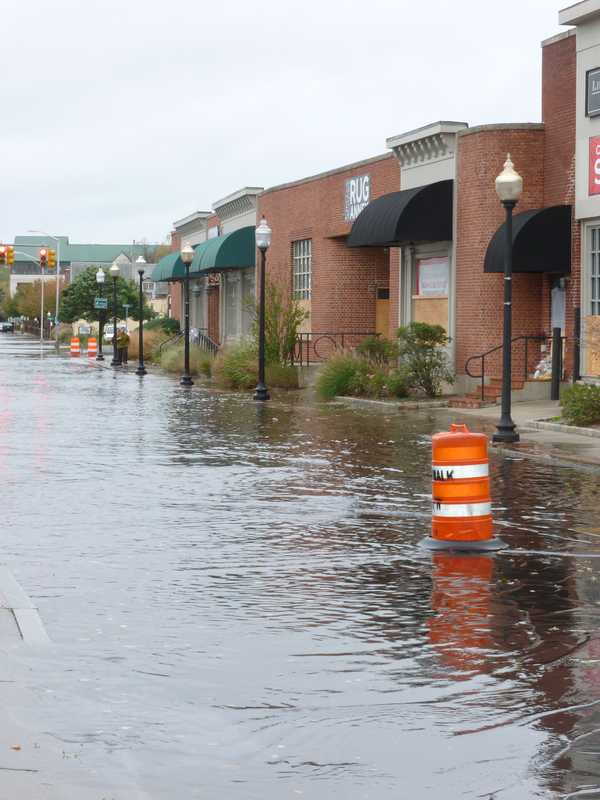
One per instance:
[(118, 117)]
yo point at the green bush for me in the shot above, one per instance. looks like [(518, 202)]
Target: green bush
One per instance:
[(172, 358), (236, 366), (341, 375), (581, 404), (282, 376), (398, 383), (424, 358), (283, 317), (378, 350), (167, 324)]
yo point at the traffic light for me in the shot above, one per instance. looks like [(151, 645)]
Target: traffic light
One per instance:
[(43, 255), (10, 255), (51, 259), (2, 254)]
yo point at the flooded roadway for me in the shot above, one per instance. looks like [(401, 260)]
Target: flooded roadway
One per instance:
[(238, 607)]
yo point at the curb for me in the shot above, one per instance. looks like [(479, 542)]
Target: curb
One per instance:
[(26, 614), (398, 405), (558, 427)]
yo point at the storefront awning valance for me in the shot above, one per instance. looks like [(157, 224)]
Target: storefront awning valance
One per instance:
[(423, 214), (541, 242), (163, 271), (235, 250)]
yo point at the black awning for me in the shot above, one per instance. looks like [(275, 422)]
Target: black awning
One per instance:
[(416, 215), (541, 242)]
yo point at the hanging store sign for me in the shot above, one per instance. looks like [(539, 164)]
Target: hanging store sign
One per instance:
[(357, 196), (592, 92), (594, 165)]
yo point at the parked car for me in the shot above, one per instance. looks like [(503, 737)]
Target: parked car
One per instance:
[(7, 327), (108, 330)]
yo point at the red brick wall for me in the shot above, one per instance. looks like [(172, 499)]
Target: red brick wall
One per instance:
[(559, 82), (344, 280), (479, 296)]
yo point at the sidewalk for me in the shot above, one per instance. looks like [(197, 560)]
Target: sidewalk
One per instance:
[(557, 446)]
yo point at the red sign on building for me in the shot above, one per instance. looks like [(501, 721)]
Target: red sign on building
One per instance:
[(594, 168)]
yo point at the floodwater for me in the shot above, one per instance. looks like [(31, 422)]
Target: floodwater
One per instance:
[(239, 609)]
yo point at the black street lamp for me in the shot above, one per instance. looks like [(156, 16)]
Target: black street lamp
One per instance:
[(509, 186), (187, 256), (100, 277), (141, 369), (114, 274), (263, 242)]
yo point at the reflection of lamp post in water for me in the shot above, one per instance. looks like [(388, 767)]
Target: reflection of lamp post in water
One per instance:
[(187, 256), (114, 274)]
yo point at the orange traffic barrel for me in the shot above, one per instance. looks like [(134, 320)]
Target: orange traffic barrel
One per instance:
[(92, 347), (462, 505), (75, 350)]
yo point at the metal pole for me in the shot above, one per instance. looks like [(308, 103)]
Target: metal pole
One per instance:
[(42, 307), (186, 378), (57, 293), (577, 346), (141, 369), (261, 393), (556, 363), (506, 428), (115, 358), (100, 356)]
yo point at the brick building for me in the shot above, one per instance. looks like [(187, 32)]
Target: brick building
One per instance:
[(417, 234)]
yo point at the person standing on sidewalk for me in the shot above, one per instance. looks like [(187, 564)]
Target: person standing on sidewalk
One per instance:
[(122, 346)]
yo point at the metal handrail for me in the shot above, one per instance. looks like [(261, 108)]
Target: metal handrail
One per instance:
[(524, 337), (304, 341), (169, 342), (206, 343)]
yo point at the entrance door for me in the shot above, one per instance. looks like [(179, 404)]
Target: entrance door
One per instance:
[(382, 312)]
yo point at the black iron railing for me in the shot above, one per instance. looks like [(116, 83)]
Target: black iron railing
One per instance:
[(526, 339), (199, 338), (315, 347)]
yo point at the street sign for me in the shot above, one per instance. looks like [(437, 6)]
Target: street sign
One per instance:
[(101, 303)]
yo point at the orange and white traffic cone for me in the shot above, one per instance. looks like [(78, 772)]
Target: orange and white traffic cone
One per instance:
[(92, 347), (462, 505), (75, 349)]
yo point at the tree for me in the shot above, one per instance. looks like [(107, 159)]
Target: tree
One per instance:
[(28, 299), (78, 298)]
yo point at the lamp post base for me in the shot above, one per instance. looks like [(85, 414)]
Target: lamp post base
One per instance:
[(141, 370), (261, 393), (506, 433), (186, 380), (99, 357)]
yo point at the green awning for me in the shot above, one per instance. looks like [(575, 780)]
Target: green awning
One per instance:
[(235, 250), (165, 268)]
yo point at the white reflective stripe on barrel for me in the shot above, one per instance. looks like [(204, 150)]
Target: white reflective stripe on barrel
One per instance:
[(459, 472), (461, 509)]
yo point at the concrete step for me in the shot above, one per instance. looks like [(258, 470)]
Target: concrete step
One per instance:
[(469, 402)]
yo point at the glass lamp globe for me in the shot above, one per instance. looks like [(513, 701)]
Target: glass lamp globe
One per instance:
[(263, 235), (509, 184), (100, 276), (114, 270), (187, 253)]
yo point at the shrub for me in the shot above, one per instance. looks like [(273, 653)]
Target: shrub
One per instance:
[(283, 317), (236, 367), (342, 374), (167, 324), (422, 353), (172, 358), (398, 383), (282, 376), (581, 404), (378, 350)]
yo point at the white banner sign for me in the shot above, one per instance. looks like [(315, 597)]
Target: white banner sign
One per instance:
[(433, 276)]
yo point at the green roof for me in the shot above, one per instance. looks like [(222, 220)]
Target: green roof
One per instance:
[(94, 253), (235, 250)]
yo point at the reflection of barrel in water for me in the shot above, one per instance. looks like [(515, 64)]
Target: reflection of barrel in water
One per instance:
[(461, 599)]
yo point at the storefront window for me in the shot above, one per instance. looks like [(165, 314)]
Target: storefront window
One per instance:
[(232, 305), (302, 268), (430, 291)]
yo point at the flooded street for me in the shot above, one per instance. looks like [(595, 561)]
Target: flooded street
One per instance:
[(239, 609)]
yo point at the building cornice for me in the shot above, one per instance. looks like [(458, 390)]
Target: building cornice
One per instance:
[(237, 203), (195, 217), (579, 13), (430, 143)]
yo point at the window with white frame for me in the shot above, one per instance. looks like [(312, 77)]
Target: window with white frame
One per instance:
[(301, 268), (594, 262)]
